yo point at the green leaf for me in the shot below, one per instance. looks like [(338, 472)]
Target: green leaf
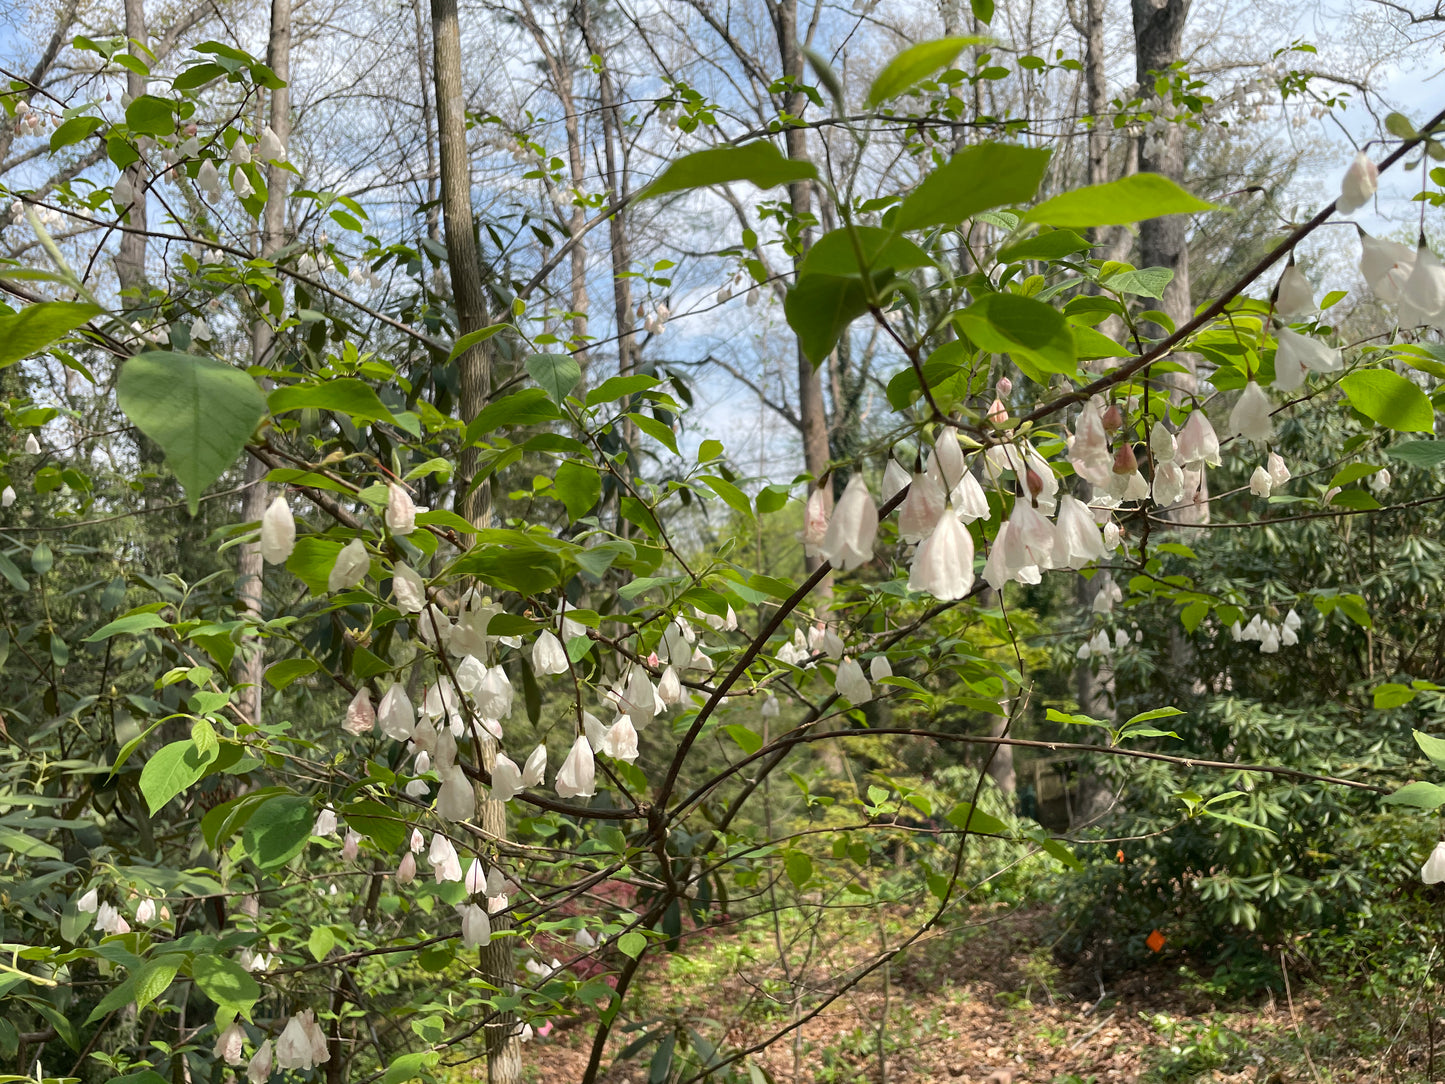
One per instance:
[(655, 429), (13, 574), (1130, 199), (129, 625), (73, 131), (1432, 747), (226, 983), (749, 741), (819, 309), (469, 340), (982, 10), (620, 387), (558, 374), (376, 822), (311, 562), (632, 943), (966, 817), (1142, 281), (277, 832), (915, 64), (835, 253), (1418, 795), (281, 674), (200, 411), (799, 868), (1028, 330), (1390, 399), (975, 179), (345, 395), (409, 1067), (321, 941), (1392, 695), (173, 768), (118, 998), (1418, 453), (1157, 713), (736, 499), (35, 327), (149, 115), (1049, 245), (577, 486), (758, 162), (154, 979), (198, 75)]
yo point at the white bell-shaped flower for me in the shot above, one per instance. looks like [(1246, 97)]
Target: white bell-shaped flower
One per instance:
[(895, 478), (1077, 539), (1296, 353), (535, 769), (258, 1069), (1433, 871), (1386, 266), (880, 668), (922, 508), (241, 184), (1089, 452), (1295, 296), (771, 709), (815, 523), (506, 779), (1260, 483), (1251, 417), (293, 1048), (494, 695), (848, 542), (577, 777), (325, 822), (1423, 295), (1358, 184), (229, 1044), (442, 857), (1278, 469), (400, 515), (395, 715), (407, 588), (350, 846), (620, 741), (969, 501), (351, 567), (1198, 443), (240, 152), (406, 869), (638, 700), (669, 687), (208, 180), (1030, 537), (456, 800), (7, 497), (476, 926), (1168, 486), (89, 902), (1106, 595), (1161, 443), (943, 564), (270, 148), (1380, 480), (476, 879), (850, 683)]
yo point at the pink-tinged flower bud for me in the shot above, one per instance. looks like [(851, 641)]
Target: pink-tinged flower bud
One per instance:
[(1113, 419), (360, 715), (1004, 385), (1034, 481), (1124, 460), (351, 847), (1358, 185), (997, 412)]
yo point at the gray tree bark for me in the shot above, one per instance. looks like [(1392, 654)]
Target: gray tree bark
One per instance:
[(130, 260)]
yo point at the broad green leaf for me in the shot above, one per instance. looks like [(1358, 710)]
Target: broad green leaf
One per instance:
[(173, 768), (73, 131), (736, 499), (35, 327), (321, 941), (1156, 713), (1419, 795), (658, 431), (631, 943), (915, 64), (749, 741), (312, 560), (1418, 453), (376, 822), (528, 572), (558, 374), (118, 998), (409, 1067), (578, 487), (197, 76), (975, 179), (1432, 747), (1049, 245), (758, 162), (799, 868), (820, 308), (965, 817), (1392, 695), (226, 983), (469, 340), (345, 395), (277, 832), (1130, 199), (1390, 399), (835, 253), (283, 673), (982, 10), (154, 979), (200, 411), (620, 387), (13, 575), (129, 625), (149, 115), (1028, 330), (1142, 281)]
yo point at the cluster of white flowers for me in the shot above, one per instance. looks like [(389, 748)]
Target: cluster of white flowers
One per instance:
[(30, 121), (655, 321), (1270, 636)]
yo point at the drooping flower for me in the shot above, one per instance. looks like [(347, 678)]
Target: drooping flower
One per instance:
[(943, 564), (1089, 453), (771, 709), (880, 668), (1161, 443), (408, 588), (848, 542), (1198, 444), (1294, 296), (406, 869), (1106, 595), (208, 180), (1168, 484), (476, 878), (639, 700), (493, 695), (1358, 184), (293, 1048), (7, 497), (1433, 871), (278, 532), (350, 846), (969, 501), (395, 714), (1423, 295), (850, 683), (442, 857), (815, 522), (456, 800), (352, 565), (1250, 417), (669, 687), (270, 149), (1278, 469), (535, 770), (1380, 480), (894, 479), (200, 330), (32, 445), (400, 515), (506, 778), (1077, 540), (476, 926), (1260, 483), (229, 1044), (1296, 353), (1030, 538), (1386, 266), (577, 777), (922, 508), (620, 741), (241, 184), (325, 822), (258, 1069), (948, 458)]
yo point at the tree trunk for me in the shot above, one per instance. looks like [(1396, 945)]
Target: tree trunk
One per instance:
[(1001, 760), (130, 261), (433, 218), (249, 566)]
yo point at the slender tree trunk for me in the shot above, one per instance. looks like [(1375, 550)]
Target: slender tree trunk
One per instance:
[(249, 566), (1001, 759), (130, 261), (433, 216), (504, 1059)]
